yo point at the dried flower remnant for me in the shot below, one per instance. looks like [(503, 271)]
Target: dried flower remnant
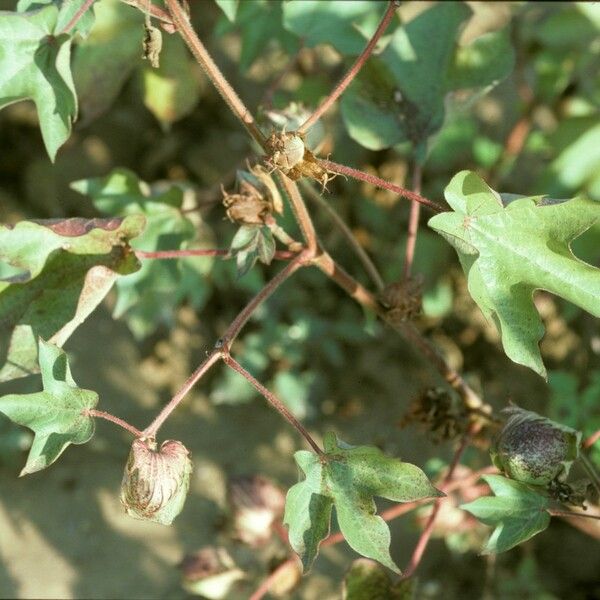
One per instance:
[(256, 200), (436, 412), (152, 45), (288, 153), (155, 482), (210, 572), (256, 503), (403, 299)]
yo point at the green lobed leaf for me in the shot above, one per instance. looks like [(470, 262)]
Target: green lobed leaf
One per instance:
[(67, 10), (150, 296), (508, 252), (516, 512), (35, 65), (57, 415), (348, 478), (61, 270), (399, 95)]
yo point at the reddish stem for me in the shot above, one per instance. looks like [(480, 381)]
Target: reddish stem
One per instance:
[(277, 404), (237, 324), (570, 514), (300, 211), (360, 252), (77, 16), (381, 183), (413, 222), (357, 291), (591, 440), (265, 586), (148, 7), (428, 530), (168, 254), (353, 71), (100, 414), (186, 31), (153, 428), (223, 345)]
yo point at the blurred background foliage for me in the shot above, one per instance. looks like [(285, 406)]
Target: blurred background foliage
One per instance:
[(519, 107)]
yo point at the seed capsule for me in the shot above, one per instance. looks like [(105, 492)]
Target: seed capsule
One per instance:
[(155, 483), (286, 150), (533, 449)]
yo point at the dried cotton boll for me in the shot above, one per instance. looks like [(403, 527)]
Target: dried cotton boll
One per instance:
[(156, 482)]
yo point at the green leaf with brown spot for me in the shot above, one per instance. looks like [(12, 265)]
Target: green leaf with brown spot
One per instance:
[(53, 274)]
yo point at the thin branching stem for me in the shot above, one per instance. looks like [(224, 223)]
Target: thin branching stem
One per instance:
[(591, 440), (360, 252), (269, 581), (301, 214), (277, 404), (239, 322), (413, 222), (381, 183), (199, 252), (591, 471), (570, 514), (77, 16), (353, 71), (223, 345), (186, 31), (423, 540), (154, 11), (407, 329), (211, 359), (100, 414)]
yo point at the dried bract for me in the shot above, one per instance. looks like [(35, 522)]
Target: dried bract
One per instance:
[(436, 412), (152, 45), (403, 299), (257, 198)]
